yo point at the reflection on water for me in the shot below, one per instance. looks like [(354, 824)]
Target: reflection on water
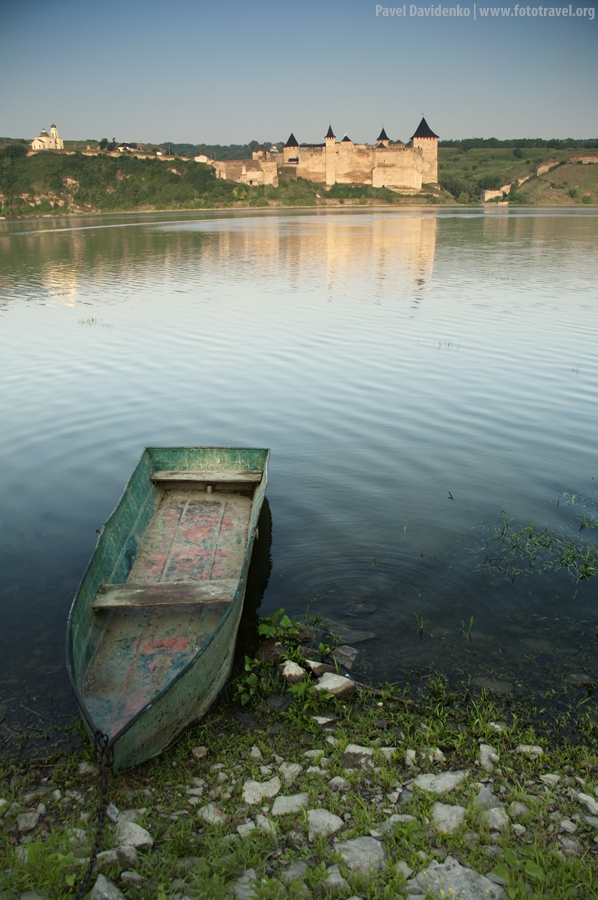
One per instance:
[(413, 373)]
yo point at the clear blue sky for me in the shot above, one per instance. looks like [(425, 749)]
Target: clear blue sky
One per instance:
[(230, 72)]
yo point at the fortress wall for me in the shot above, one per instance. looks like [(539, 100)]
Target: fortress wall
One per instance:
[(354, 163), (312, 163), (429, 147)]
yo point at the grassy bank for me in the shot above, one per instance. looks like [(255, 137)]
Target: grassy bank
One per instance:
[(354, 774)]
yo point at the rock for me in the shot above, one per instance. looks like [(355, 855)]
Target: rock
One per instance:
[(338, 783), (264, 824), (317, 669), (271, 652), (550, 780), (132, 835), (493, 686), (360, 608), (87, 768), (131, 877), (336, 685), (485, 798), (130, 815), (105, 890), (589, 804), (199, 752), (345, 656), (529, 749), (121, 857), (496, 819), (447, 818), (255, 792), (334, 742), (488, 757), (518, 809), (242, 888), (255, 753), (395, 819), (592, 821), (290, 771), (403, 869), (498, 726), (77, 835), (295, 872), (212, 814), (325, 721), (410, 758), (27, 821), (284, 806), (518, 829), (57, 795), (388, 753), (246, 829), (570, 846), (567, 827), (306, 634), (292, 672), (321, 823), (335, 881), (356, 755), (429, 755), (442, 783), (363, 854), (350, 635), (452, 879)]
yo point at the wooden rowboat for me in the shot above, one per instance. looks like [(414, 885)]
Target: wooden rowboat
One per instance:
[(152, 630)]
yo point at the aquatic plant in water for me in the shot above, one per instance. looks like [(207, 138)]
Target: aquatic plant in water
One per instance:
[(533, 550)]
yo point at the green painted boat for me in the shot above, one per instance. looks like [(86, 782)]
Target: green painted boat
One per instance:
[(152, 630)]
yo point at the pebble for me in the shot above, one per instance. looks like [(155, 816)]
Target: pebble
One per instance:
[(336, 685), (495, 819), (255, 792), (322, 823), (212, 814), (246, 828), (290, 771), (103, 889), (132, 835), (131, 877), (292, 672), (440, 784), (488, 757), (518, 809), (27, 821), (447, 818), (120, 857), (335, 881), (450, 878), (363, 854), (295, 872), (550, 780), (284, 806), (356, 755), (338, 783), (199, 752), (255, 753), (589, 804), (265, 824), (529, 749), (345, 656)]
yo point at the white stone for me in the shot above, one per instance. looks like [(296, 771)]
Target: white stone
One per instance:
[(498, 726), (410, 758), (335, 881), (27, 821), (496, 819), (567, 827), (105, 890), (486, 798), (132, 835), (295, 872), (255, 792), (395, 819), (284, 806), (450, 879), (132, 877), (550, 780), (242, 888), (488, 757), (120, 856), (321, 823), (356, 755), (529, 749), (589, 804), (265, 824), (447, 818), (519, 830), (212, 814), (345, 656), (388, 752), (87, 768), (336, 685), (314, 754), (290, 771), (255, 753), (246, 829), (292, 672), (199, 752), (334, 742), (402, 867), (429, 755), (442, 783), (314, 770), (363, 854), (518, 809), (338, 783)]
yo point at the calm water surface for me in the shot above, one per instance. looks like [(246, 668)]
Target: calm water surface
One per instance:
[(391, 361)]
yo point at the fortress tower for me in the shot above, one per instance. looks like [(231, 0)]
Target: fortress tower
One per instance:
[(330, 157), (425, 138)]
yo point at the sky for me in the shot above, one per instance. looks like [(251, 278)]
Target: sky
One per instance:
[(240, 70)]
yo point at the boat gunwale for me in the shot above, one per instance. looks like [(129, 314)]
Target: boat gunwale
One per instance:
[(260, 489)]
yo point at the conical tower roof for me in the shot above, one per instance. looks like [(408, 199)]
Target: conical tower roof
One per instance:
[(382, 136), (423, 131), (330, 132), (292, 141)]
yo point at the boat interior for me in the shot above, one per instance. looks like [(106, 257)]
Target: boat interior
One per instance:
[(182, 581)]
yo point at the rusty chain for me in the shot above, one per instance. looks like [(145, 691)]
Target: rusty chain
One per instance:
[(104, 759)]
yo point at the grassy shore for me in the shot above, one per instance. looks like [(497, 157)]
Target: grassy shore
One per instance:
[(516, 803)]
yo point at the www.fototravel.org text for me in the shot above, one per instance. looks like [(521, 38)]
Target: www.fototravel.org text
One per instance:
[(512, 12)]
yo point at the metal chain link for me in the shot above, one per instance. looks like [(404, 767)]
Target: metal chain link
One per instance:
[(104, 759)]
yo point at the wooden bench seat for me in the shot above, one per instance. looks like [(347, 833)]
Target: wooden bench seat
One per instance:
[(121, 596), (241, 476)]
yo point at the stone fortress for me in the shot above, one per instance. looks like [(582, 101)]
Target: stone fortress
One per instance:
[(401, 167)]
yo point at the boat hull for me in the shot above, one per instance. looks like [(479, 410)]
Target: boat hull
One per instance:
[(157, 719)]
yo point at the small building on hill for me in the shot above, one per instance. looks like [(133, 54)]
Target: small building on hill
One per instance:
[(47, 141), (381, 164)]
